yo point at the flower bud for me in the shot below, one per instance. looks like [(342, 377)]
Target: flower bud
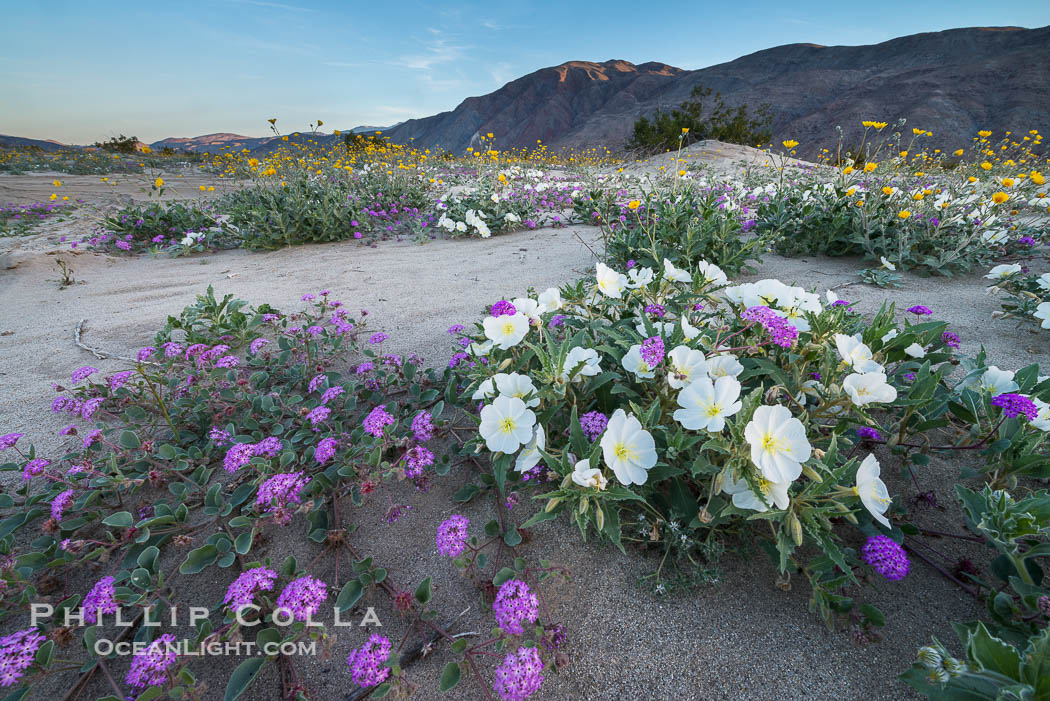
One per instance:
[(796, 528), (929, 657), (551, 504), (954, 667), (938, 676), (599, 518), (812, 474)]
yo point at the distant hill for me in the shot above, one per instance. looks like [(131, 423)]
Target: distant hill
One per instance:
[(213, 143), (44, 144), (953, 82)]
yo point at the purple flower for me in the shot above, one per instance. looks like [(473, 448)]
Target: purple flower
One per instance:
[(90, 407), (950, 339), (456, 329), (92, 437), (593, 424), (81, 374), (172, 349), (227, 361), (303, 597), (118, 380), (99, 600), (9, 440), (239, 455), (452, 535), (456, 359), (318, 414), (780, 331), (920, 310), (240, 593), (257, 345), (316, 382), (657, 310), (557, 321), (503, 308), (377, 338), (218, 436), (518, 677), (280, 494), (368, 662), (515, 604), (325, 450), (17, 653), (652, 351), (886, 556), (34, 467), (396, 512), (145, 353), (377, 420), (60, 503), (150, 666), (364, 368), (1015, 405), (868, 434), (331, 393), (269, 447), (423, 427)]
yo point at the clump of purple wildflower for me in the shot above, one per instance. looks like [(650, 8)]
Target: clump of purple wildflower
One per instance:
[(99, 600), (950, 339), (239, 455), (920, 310), (868, 434), (515, 604), (557, 321), (8, 440), (318, 414), (423, 427), (452, 535), (316, 382), (280, 494), (218, 436), (456, 329), (325, 450), (887, 557), (150, 666), (1015, 405), (378, 338), (368, 662), (241, 591), (303, 597), (657, 310), (652, 351), (60, 503), (780, 331), (377, 420), (503, 308), (257, 345), (269, 447), (331, 393), (417, 459), (593, 424), (518, 677), (396, 512), (17, 653), (81, 374), (34, 467)]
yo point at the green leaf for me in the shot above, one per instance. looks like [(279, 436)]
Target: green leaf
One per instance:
[(449, 676), (512, 537), (504, 575), (423, 591), (993, 654), (129, 440), (349, 595), (121, 519), (243, 676), (199, 558)]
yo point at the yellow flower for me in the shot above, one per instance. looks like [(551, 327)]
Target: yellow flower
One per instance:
[(869, 167), (158, 183), (56, 183), (904, 154), (65, 198), (847, 170), (633, 205), (54, 196), (685, 130), (320, 123), (880, 125), (490, 135), (984, 134), (1037, 178), (959, 152), (849, 192), (790, 143), (904, 214), (986, 165), (860, 203), (867, 124), (284, 138), (918, 132), (1008, 182), (1000, 197), (917, 196), (337, 132), (203, 188), (971, 179), (272, 121), (887, 190)]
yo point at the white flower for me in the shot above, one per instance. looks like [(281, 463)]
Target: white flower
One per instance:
[(506, 424), (711, 273), (885, 263), (869, 387), (1001, 271), (550, 300), (506, 331), (633, 362), (530, 456), (640, 277), (511, 217), (684, 365), (530, 308), (778, 443), (586, 476), (831, 297), (772, 493), (1043, 281), (689, 330), (993, 380), (486, 390), (460, 226), (516, 385), (889, 336), (447, 224), (675, 274), (915, 351), (999, 236), (1042, 419), (1042, 312), (610, 282), (494, 197), (482, 348), (725, 365), (855, 354), (706, 404), (579, 354), (628, 449), (872, 491)]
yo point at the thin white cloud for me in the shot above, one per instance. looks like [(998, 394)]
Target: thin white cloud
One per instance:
[(273, 5)]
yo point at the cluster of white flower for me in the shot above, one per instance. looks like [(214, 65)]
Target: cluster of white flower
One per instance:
[(473, 218)]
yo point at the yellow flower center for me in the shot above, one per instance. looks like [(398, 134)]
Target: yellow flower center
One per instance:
[(713, 410), (506, 425), (624, 452), (508, 328)]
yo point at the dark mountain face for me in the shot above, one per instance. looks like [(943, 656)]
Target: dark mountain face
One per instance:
[(953, 82)]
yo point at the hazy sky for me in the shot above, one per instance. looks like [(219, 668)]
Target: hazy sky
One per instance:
[(80, 71)]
